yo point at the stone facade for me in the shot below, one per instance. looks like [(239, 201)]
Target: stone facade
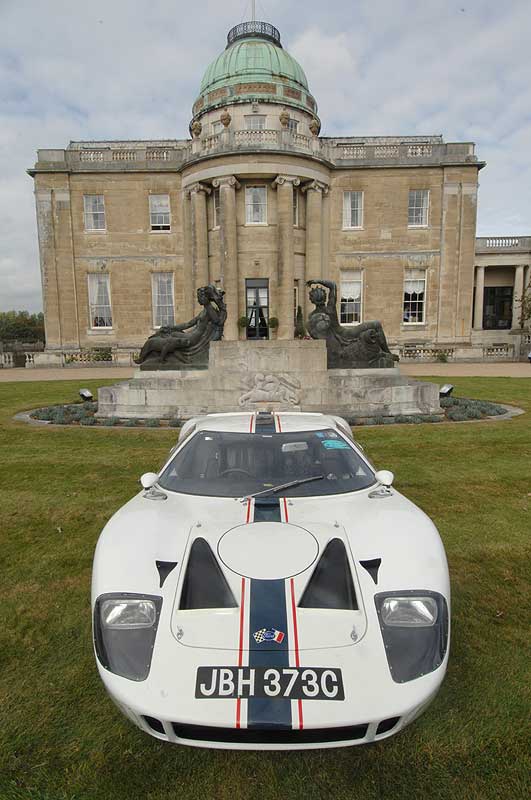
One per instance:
[(209, 236)]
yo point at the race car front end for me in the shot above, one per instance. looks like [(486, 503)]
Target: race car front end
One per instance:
[(236, 647)]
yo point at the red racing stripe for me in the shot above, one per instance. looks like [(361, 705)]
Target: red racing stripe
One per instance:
[(251, 423), (285, 509), (296, 645), (279, 426), (240, 650)]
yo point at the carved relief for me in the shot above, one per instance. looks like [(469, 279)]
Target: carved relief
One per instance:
[(259, 88), (216, 94), (315, 127), (284, 119), (196, 129), (261, 388), (294, 93)]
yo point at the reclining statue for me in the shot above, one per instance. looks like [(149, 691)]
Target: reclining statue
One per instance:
[(361, 346), (186, 346)]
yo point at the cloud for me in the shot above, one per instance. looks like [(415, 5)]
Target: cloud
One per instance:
[(123, 69)]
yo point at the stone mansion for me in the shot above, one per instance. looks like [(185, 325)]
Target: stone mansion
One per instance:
[(257, 202)]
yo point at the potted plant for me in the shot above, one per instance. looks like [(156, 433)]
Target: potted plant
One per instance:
[(273, 326), (300, 327)]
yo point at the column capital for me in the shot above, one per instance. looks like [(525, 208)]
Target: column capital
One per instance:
[(282, 179), (194, 188), (316, 186), (226, 180)]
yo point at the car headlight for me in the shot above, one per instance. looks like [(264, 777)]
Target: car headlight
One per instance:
[(118, 612), (125, 627), (409, 612), (414, 626)]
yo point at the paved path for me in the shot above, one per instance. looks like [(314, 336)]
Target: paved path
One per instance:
[(80, 374)]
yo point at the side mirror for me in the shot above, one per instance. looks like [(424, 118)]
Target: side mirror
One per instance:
[(148, 479), (385, 477)]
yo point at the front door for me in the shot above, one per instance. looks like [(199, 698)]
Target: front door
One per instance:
[(257, 297)]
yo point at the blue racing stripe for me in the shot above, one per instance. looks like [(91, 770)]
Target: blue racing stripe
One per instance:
[(268, 610)]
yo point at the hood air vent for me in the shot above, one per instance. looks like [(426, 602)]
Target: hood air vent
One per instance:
[(331, 584), (204, 585)]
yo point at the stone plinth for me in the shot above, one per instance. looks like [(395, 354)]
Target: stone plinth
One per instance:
[(272, 375)]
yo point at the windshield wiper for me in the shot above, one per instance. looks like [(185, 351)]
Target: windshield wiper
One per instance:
[(282, 486)]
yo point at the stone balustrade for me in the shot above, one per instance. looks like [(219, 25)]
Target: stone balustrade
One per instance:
[(486, 244), (171, 154)]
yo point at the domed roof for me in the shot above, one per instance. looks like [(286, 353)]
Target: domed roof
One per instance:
[(254, 67)]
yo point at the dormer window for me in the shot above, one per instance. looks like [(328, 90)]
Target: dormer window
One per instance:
[(256, 122)]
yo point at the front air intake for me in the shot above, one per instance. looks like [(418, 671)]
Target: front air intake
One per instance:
[(331, 584), (205, 585)]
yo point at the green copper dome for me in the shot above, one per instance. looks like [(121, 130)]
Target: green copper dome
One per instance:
[(254, 67)]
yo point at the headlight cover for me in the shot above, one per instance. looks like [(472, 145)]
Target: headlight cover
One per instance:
[(414, 626), (409, 612), (125, 627)]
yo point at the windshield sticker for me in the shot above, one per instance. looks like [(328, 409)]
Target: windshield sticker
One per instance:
[(335, 444)]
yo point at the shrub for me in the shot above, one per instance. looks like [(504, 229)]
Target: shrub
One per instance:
[(456, 415), (242, 322), (90, 405), (369, 421), (442, 357), (111, 421), (130, 423), (434, 418), (404, 419), (388, 420), (175, 422), (378, 420), (472, 413), (153, 423), (88, 421), (448, 402)]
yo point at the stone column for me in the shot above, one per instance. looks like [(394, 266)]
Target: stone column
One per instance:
[(286, 256), (189, 303), (228, 254), (478, 306), (517, 295), (199, 194), (314, 236)]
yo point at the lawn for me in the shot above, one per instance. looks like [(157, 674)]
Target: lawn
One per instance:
[(61, 738)]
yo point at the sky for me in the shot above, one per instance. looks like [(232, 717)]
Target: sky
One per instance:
[(130, 69)]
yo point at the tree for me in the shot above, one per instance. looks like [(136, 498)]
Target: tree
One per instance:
[(21, 326)]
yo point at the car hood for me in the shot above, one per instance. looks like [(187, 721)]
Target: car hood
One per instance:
[(268, 563)]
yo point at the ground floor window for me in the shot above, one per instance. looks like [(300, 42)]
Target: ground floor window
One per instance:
[(350, 297), (498, 308), (162, 295), (100, 313), (414, 296), (257, 299)]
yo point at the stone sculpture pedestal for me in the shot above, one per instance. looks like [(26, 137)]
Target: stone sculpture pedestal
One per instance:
[(268, 375)]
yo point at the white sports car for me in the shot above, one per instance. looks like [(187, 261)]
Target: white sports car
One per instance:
[(269, 590)]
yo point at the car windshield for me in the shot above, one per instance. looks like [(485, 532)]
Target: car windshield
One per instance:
[(222, 464)]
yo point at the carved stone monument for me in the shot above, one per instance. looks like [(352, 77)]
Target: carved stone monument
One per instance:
[(186, 346), (363, 346)]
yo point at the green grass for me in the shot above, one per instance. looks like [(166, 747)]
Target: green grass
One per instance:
[(62, 739)]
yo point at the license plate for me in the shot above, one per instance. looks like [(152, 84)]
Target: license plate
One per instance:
[(294, 683)]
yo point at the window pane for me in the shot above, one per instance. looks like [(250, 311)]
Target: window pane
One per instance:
[(255, 202), (350, 297), (99, 301), (418, 207), (94, 212), (159, 212), (352, 209), (414, 295), (255, 123), (163, 310)]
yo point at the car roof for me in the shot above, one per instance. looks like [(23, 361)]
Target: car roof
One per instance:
[(245, 422)]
